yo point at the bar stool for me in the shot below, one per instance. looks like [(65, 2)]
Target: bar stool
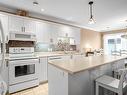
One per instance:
[(116, 53), (123, 52), (113, 84), (117, 69)]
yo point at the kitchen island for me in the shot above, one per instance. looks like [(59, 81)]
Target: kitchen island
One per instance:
[(75, 76)]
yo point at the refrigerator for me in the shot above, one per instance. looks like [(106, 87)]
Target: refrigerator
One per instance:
[(3, 84)]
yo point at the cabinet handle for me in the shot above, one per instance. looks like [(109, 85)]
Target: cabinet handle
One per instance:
[(7, 63), (39, 60), (7, 38), (22, 29), (63, 74)]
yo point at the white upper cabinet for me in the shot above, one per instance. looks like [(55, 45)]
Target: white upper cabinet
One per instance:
[(65, 31), (30, 25), (21, 24), (46, 32), (58, 30), (4, 20), (16, 24), (43, 32), (76, 35), (54, 33), (72, 32)]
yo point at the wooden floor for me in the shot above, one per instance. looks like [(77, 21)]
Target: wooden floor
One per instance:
[(40, 90)]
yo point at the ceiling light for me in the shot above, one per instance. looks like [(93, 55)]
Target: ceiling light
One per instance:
[(42, 9), (91, 20), (35, 3)]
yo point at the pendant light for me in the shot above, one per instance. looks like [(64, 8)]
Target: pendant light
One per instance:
[(91, 20)]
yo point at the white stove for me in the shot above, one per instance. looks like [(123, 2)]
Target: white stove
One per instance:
[(23, 68)]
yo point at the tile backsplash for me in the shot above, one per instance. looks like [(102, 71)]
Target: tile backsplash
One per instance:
[(44, 47)]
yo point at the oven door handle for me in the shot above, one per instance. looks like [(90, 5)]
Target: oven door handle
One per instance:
[(23, 62)]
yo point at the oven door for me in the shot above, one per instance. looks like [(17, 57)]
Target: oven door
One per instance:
[(23, 70)]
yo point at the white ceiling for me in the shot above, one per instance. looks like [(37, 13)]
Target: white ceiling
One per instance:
[(107, 13)]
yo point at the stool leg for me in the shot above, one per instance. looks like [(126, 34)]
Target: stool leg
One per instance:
[(97, 89)]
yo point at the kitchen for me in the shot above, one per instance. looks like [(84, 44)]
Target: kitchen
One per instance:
[(41, 52)]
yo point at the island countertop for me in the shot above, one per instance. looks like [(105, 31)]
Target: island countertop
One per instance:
[(82, 63)]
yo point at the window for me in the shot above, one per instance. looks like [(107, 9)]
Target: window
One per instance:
[(111, 41), (114, 42), (118, 41)]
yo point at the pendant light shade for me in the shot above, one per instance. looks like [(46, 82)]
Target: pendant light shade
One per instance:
[(91, 20)]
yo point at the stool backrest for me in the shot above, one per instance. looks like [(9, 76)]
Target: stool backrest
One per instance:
[(117, 53), (123, 78)]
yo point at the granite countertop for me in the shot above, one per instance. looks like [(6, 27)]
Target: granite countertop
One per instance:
[(79, 64)]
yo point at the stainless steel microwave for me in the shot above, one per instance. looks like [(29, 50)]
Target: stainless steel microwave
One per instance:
[(25, 36)]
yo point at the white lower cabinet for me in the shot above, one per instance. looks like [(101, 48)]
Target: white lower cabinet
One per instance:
[(58, 81), (61, 82), (43, 70)]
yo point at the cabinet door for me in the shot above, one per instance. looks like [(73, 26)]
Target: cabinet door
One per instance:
[(72, 32), (58, 81), (43, 69), (4, 21), (64, 31), (30, 25), (43, 32), (76, 35), (16, 24), (54, 33)]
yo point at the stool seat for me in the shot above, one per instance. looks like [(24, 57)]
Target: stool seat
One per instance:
[(113, 84), (110, 82)]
